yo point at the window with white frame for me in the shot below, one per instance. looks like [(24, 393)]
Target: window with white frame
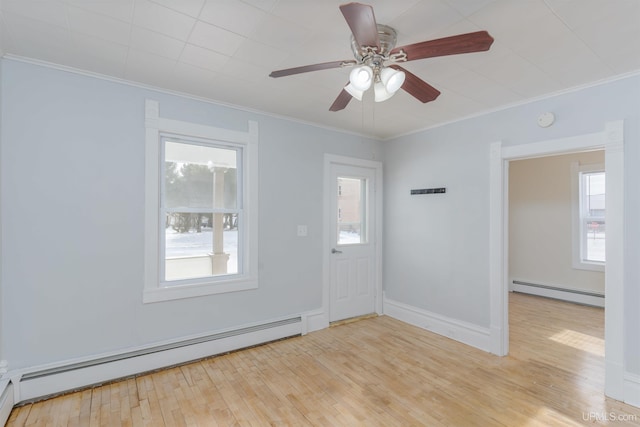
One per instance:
[(201, 215), (200, 209), (592, 209), (589, 217)]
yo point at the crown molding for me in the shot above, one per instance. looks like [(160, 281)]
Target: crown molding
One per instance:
[(139, 85), (312, 124), (539, 98)]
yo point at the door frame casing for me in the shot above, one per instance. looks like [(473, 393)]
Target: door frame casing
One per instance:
[(612, 140), (376, 166)]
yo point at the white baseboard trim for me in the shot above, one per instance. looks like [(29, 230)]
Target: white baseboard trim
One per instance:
[(6, 400), (632, 389), (315, 321), (572, 295), (497, 343), (43, 381), (466, 333)]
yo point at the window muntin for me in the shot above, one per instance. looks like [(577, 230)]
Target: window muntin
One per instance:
[(201, 218), (592, 216)]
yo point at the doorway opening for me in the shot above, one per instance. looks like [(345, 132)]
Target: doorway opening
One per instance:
[(557, 226), (612, 140), (556, 252)]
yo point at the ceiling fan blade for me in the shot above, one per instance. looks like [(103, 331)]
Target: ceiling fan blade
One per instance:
[(462, 43), (314, 67), (362, 22), (417, 87), (341, 101)]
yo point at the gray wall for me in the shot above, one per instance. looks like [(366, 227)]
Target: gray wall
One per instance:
[(72, 213), (436, 252)]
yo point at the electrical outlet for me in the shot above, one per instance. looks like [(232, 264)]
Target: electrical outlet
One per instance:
[(302, 231)]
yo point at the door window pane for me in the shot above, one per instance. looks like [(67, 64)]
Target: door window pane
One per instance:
[(351, 211)]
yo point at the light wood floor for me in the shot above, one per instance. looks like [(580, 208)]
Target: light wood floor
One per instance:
[(375, 372)]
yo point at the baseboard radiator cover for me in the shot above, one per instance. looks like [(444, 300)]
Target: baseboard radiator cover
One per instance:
[(566, 294), (41, 383), (6, 400)]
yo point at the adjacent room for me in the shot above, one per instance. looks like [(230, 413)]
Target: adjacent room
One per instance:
[(279, 212)]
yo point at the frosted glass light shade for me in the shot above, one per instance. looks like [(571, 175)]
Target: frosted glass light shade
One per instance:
[(361, 77), (392, 79), (356, 93), (381, 94)]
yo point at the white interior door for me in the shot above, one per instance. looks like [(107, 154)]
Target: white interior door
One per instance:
[(353, 253)]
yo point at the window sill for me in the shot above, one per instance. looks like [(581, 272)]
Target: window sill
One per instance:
[(169, 293), (590, 266)]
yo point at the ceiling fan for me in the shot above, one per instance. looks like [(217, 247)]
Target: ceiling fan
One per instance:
[(376, 58)]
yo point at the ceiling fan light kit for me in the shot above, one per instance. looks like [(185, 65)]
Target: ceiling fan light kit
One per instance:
[(386, 82), (376, 58)]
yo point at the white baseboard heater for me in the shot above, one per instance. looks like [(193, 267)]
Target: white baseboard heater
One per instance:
[(48, 381), (6, 400), (566, 294)]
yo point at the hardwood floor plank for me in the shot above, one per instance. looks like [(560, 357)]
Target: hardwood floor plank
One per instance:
[(374, 372), (19, 417)]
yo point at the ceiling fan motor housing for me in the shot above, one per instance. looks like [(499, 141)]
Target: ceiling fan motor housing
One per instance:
[(387, 36)]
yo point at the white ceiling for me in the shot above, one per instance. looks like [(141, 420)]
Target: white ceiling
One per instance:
[(224, 50)]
